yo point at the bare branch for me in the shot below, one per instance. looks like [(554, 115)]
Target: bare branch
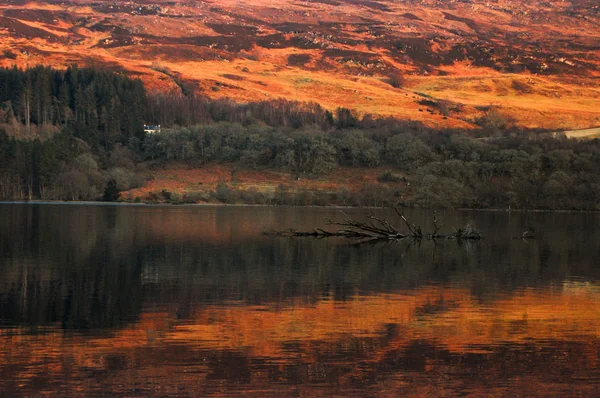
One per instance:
[(376, 228)]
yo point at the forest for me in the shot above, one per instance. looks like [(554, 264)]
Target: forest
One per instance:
[(78, 134)]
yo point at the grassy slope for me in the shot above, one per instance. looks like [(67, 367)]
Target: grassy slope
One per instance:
[(348, 50), (202, 181)]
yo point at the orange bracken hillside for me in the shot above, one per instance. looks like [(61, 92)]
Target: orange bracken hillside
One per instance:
[(537, 62), (201, 182)]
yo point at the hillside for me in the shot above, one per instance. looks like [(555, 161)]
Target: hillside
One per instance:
[(537, 62)]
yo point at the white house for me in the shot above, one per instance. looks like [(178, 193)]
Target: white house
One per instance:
[(149, 129)]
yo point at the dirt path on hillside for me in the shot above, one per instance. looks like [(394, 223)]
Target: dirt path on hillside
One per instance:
[(587, 133)]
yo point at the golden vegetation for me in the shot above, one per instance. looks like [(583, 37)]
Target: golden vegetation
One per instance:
[(476, 54), (451, 319)]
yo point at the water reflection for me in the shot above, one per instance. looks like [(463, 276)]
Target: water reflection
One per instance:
[(195, 301)]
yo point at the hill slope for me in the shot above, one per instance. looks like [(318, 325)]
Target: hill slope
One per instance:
[(538, 62)]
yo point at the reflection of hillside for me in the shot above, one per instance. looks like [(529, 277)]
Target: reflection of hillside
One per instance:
[(382, 344), (88, 266), (168, 300), (462, 325)]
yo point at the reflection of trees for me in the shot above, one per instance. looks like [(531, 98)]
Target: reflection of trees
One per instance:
[(275, 270), (65, 270), (228, 311), (94, 266)]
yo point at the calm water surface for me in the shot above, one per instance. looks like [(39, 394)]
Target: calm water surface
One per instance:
[(195, 301)]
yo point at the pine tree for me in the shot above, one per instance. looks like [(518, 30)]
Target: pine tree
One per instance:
[(111, 192)]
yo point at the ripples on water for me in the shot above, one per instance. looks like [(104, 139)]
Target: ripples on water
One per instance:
[(98, 300)]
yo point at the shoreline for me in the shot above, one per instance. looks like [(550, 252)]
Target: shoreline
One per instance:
[(242, 205)]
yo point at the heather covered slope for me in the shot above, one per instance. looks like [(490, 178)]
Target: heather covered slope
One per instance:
[(537, 62)]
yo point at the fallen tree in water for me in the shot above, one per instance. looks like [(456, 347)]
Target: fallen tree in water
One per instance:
[(376, 228)]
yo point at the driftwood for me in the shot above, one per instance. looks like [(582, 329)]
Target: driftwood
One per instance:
[(375, 228)]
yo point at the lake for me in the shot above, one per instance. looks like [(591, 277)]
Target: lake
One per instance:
[(196, 301)]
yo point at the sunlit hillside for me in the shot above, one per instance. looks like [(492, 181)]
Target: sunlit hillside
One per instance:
[(440, 62)]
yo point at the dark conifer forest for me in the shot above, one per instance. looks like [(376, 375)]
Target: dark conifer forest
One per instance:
[(78, 134), (99, 107)]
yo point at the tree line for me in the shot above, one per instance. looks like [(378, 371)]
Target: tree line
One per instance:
[(98, 106), (99, 144), (519, 169)]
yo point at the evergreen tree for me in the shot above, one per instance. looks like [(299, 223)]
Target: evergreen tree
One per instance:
[(111, 192)]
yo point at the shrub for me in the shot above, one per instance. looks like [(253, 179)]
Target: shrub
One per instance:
[(253, 196), (388, 176), (195, 197), (396, 80), (223, 193), (166, 195)]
